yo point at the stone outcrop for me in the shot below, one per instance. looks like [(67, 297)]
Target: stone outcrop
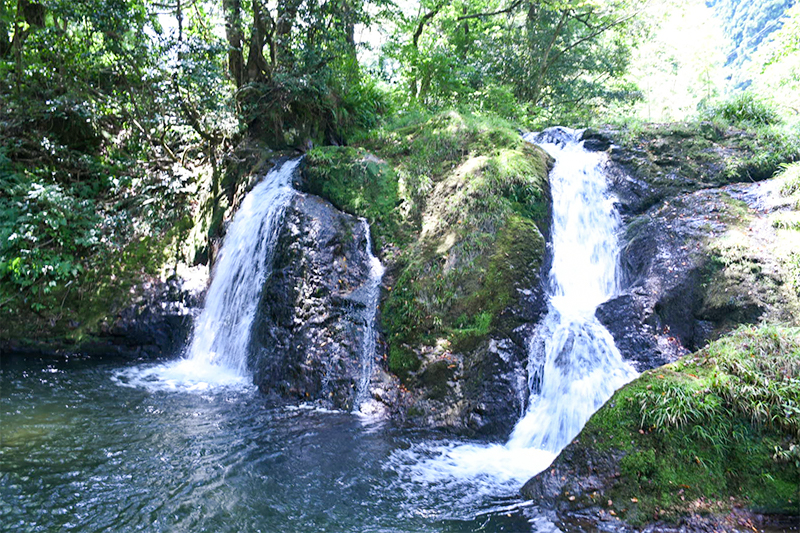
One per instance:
[(308, 335), (693, 253)]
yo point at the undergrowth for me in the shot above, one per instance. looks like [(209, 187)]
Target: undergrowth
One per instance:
[(717, 428)]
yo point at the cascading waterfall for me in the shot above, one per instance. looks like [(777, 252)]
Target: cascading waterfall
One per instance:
[(370, 310), (222, 333), (582, 367), (217, 355), (574, 366)]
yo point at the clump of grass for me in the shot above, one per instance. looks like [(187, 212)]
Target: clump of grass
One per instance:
[(743, 109), (754, 372), (716, 429), (791, 175), (786, 221)]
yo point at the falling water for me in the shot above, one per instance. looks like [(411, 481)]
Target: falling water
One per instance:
[(217, 355), (222, 334), (370, 310), (574, 366), (581, 368)]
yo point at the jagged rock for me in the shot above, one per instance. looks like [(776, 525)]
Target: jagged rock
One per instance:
[(596, 141), (308, 333)]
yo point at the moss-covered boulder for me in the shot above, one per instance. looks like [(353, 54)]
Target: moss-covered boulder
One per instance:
[(715, 432), (460, 205)]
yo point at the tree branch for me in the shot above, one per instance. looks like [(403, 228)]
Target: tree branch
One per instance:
[(591, 35), (422, 22), (509, 9)]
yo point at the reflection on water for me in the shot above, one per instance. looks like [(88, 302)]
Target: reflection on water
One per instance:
[(83, 449)]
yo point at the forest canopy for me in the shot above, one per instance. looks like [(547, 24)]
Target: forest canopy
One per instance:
[(119, 119)]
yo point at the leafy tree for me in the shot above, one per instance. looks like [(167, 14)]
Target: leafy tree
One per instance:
[(296, 70), (557, 54), (95, 114)]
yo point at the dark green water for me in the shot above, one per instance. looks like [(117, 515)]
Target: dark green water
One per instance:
[(80, 451)]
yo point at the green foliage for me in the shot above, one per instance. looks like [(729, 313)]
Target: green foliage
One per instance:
[(44, 232), (520, 60), (91, 119), (744, 109), (294, 108), (359, 184), (713, 428)]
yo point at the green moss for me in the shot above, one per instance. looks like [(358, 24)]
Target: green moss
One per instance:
[(402, 360), (707, 431), (357, 183), (476, 199)]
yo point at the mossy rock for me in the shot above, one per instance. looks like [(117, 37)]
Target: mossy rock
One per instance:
[(715, 430), (358, 183), (480, 243), (676, 158)]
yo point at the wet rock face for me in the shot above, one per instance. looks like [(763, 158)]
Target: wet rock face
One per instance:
[(157, 324), (160, 324), (308, 333), (575, 480), (482, 391), (694, 265)]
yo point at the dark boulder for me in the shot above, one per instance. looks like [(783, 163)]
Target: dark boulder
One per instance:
[(308, 334)]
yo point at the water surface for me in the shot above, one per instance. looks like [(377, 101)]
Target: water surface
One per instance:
[(84, 448)]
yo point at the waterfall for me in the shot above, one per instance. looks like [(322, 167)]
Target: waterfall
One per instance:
[(217, 355), (370, 310), (573, 364), (581, 367), (222, 334)]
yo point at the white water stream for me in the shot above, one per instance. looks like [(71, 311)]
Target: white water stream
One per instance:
[(363, 403), (217, 355), (574, 366)]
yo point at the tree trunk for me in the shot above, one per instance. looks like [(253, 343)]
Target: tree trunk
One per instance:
[(257, 67), (233, 31), (287, 12)]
